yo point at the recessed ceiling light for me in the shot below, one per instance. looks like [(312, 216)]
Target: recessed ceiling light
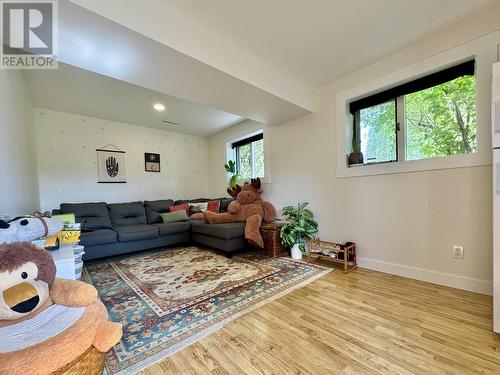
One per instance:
[(159, 107)]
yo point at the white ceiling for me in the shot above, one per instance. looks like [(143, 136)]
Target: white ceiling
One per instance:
[(96, 43), (318, 41), (74, 90), (249, 59)]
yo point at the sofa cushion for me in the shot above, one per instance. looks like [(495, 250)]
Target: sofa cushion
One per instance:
[(132, 213), (173, 228), (98, 237), (155, 208), (95, 215), (223, 231), (128, 233)]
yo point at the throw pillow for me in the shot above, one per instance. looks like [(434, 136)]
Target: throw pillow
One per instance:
[(214, 206), (181, 207), (174, 216), (197, 207), (194, 210)]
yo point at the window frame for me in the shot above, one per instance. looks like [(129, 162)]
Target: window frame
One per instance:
[(398, 94), (243, 142), (483, 49)]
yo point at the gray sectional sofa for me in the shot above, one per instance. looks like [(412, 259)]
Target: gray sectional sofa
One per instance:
[(120, 228)]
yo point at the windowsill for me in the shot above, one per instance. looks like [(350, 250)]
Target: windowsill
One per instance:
[(264, 180), (449, 162)]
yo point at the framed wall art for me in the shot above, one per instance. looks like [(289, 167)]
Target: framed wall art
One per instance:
[(152, 162)]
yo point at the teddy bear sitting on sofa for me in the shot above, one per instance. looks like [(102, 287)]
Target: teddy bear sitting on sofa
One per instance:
[(248, 206)]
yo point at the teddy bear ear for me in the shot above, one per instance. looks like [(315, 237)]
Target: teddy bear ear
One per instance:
[(4, 224)]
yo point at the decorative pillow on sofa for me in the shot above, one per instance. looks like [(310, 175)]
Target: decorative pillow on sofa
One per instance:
[(181, 207), (174, 216), (194, 210), (197, 207), (155, 208), (213, 206), (205, 206)]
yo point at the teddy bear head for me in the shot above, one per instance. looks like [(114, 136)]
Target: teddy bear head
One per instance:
[(26, 274), (250, 192)]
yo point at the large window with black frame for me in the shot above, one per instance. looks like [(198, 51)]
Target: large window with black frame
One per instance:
[(249, 155), (429, 117)]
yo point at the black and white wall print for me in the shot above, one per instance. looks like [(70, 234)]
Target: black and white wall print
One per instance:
[(111, 166), (152, 162)]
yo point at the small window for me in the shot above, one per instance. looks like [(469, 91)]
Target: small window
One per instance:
[(249, 155), (430, 117)]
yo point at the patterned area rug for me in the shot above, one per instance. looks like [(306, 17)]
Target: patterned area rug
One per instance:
[(168, 299)]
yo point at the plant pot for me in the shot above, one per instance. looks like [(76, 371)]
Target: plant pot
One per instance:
[(295, 252), (356, 158)]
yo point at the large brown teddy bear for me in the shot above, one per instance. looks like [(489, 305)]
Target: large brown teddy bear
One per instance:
[(248, 207), (28, 287)]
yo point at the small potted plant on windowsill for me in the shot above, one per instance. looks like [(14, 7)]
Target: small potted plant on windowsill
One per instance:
[(300, 225), (231, 168), (356, 157)]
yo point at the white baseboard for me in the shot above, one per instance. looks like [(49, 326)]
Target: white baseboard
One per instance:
[(446, 279)]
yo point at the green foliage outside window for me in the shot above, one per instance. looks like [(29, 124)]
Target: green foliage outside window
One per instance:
[(251, 159), (440, 121), (378, 132)]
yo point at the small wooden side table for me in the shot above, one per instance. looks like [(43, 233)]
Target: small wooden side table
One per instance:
[(272, 243)]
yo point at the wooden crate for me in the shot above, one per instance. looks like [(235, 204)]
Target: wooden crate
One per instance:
[(317, 249), (272, 243)]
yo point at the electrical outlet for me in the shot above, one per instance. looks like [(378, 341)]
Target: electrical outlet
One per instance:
[(457, 252)]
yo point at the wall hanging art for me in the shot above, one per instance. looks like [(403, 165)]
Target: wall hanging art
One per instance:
[(111, 165)]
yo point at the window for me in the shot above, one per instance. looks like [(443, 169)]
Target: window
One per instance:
[(249, 155), (430, 117)]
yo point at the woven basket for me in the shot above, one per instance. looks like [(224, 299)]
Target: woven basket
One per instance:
[(89, 363), (272, 242)]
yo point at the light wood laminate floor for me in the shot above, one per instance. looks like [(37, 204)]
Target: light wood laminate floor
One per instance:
[(364, 322)]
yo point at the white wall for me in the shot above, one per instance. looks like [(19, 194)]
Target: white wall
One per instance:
[(403, 223), (18, 179), (67, 160)]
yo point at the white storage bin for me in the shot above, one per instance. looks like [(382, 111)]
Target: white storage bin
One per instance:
[(78, 269), (78, 257)]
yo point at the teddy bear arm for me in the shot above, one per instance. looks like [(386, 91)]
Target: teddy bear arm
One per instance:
[(108, 334), (269, 212), (234, 207), (72, 293)]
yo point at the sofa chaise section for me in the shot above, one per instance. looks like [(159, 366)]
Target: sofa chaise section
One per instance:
[(228, 237)]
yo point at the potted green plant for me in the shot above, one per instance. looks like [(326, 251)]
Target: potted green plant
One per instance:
[(300, 225), (231, 168), (356, 157)]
